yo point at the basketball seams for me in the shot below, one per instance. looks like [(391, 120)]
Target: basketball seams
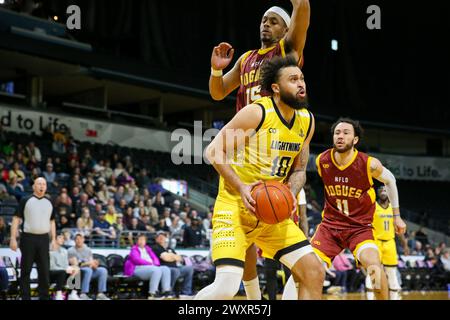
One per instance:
[(270, 201), (281, 191)]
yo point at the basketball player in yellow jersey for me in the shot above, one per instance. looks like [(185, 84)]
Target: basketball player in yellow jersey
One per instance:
[(384, 232), (277, 130), (280, 34)]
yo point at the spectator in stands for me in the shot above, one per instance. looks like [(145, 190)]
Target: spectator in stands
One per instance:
[(111, 215), (17, 172), (122, 206), (4, 280), (445, 259), (166, 216), (192, 236), (60, 270), (103, 231), (127, 217), (89, 190), (158, 202), (176, 228), (142, 180), (153, 212), (108, 171), (63, 200), (187, 208), (90, 269), (68, 241), (146, 221), (50, 175), (119, 195), (60, 168), (14, 188), (429, 254), (4, 195), (144, 263), (118, 170), (342, 266), (4, 173), (161, 226), (3, 231), (207, 222), (81, 203), (31, 150), (97, 209), (417, 250), (103, 193), (176, 206), (75, 197), (129, 196), (21, 159), (59, 142), (32, 164), (174, 261), (62, 220), (85, 223)]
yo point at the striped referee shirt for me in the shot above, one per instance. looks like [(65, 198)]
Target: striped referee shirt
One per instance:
[(36, 214)]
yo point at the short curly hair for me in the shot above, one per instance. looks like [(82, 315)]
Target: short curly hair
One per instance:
[(359, 131), (270, 72)]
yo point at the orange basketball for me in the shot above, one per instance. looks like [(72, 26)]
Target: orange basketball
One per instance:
[(274, 202)]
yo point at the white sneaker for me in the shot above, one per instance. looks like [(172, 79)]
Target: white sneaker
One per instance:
[(74, 296), (84, 296), (59, 295), (102, 296), (186, 297)]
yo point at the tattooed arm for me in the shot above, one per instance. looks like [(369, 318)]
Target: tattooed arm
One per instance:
[(297, 176)]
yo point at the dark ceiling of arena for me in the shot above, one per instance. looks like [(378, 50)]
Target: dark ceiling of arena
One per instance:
[(398, 74)]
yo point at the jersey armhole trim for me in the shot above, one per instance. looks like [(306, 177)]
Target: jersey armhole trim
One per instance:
[(318, 164), (262, 118), (369, 173), (283, 53), (310, 123), (244, 57)]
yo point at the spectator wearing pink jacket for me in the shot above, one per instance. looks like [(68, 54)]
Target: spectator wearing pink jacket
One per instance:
[(144, 264), (341, 265)]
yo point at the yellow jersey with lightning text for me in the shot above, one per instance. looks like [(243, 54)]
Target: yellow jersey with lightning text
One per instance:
[(383, 223), (270, 152)]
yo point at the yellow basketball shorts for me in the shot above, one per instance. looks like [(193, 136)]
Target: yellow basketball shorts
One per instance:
[(388, 252), (235, 229)]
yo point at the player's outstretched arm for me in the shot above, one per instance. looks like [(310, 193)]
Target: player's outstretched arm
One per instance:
[(296, 35), (382, 174), (221, 85), (222, 150)]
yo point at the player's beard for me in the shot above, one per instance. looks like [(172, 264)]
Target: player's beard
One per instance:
[(344, 149), (293, 101)]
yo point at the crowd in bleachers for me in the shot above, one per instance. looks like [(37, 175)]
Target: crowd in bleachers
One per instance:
[(101, 193)]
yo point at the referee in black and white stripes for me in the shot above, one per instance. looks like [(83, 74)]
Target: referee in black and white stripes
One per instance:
[(36, 215)]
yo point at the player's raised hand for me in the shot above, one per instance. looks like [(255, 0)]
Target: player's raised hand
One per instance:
[(246, 195), (399, 225), (222, 56)]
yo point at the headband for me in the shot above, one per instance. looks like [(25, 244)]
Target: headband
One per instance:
[(281, 13)]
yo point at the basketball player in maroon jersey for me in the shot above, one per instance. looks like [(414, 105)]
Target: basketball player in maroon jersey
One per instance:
[(280, 34), (350, 202)]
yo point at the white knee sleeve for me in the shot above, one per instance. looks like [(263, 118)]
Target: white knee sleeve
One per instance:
[(225, 285), (391, 273), (290, 291), (369, 289)]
